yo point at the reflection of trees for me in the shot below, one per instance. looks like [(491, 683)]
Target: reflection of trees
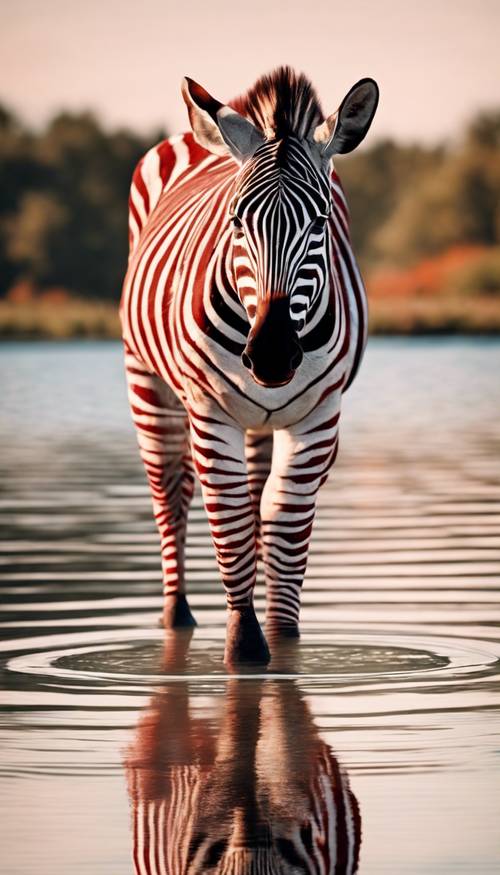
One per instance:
[(258, 793)]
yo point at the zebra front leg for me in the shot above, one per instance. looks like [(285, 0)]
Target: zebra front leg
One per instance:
[(162, 434), (302, 457), (218, 448)]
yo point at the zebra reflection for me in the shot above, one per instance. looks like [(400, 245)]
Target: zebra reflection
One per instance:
[(257, 794)]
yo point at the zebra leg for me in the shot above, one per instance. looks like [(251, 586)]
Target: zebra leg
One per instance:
[(302, 457), (218, 447), (259, 450), (162, 433)]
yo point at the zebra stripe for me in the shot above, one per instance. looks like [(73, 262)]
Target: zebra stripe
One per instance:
[(219, 253)]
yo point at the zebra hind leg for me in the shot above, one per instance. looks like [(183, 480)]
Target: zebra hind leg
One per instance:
[(259, 451), (163, 438)]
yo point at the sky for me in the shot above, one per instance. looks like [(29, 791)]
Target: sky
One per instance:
[(437, 62)]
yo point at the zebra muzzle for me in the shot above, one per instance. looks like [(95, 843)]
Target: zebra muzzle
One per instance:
[(273, 352)]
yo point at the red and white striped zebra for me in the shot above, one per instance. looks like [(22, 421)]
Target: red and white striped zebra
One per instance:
[(244, 321), (254, 792)]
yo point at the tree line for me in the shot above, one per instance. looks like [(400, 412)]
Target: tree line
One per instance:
[(64, 190)]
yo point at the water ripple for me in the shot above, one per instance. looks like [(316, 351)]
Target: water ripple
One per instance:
[(399, 662)]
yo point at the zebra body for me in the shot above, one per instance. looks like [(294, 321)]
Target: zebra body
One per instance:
[(244, 319), (181, 359)]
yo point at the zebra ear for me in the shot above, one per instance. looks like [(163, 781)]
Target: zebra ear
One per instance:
[(217, 127), (345, 129)]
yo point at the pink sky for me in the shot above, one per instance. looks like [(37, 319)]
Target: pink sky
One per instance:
[(436, 61)]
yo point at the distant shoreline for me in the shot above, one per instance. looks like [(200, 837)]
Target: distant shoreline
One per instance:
[(392, 316)]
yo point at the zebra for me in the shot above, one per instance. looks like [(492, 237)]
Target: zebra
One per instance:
[(244, 319), (258, 793)]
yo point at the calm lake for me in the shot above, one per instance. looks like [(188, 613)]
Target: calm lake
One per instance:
[(375, 739)]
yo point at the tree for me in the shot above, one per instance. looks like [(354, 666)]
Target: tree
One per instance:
[(454, 202), (63, 216)]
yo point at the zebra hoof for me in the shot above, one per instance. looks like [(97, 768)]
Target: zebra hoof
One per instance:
[(176, 613), (245, 642)]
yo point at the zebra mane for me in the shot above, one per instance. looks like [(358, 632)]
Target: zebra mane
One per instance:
[(282, 103)]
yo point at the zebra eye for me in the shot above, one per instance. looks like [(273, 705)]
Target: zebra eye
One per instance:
[(236, 222), (319, 223)]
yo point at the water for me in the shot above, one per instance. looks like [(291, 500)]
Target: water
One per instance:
[(376, 737)]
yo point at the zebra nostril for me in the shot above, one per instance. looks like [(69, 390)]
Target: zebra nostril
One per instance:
[(245, 358)]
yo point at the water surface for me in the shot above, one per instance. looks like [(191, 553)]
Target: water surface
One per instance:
[(375, 740)]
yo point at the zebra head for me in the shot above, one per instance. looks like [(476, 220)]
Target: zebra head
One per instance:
[(280, 204)]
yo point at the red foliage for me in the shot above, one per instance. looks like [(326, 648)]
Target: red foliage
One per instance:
[(54, 296), (22, 292), (428, 277)]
